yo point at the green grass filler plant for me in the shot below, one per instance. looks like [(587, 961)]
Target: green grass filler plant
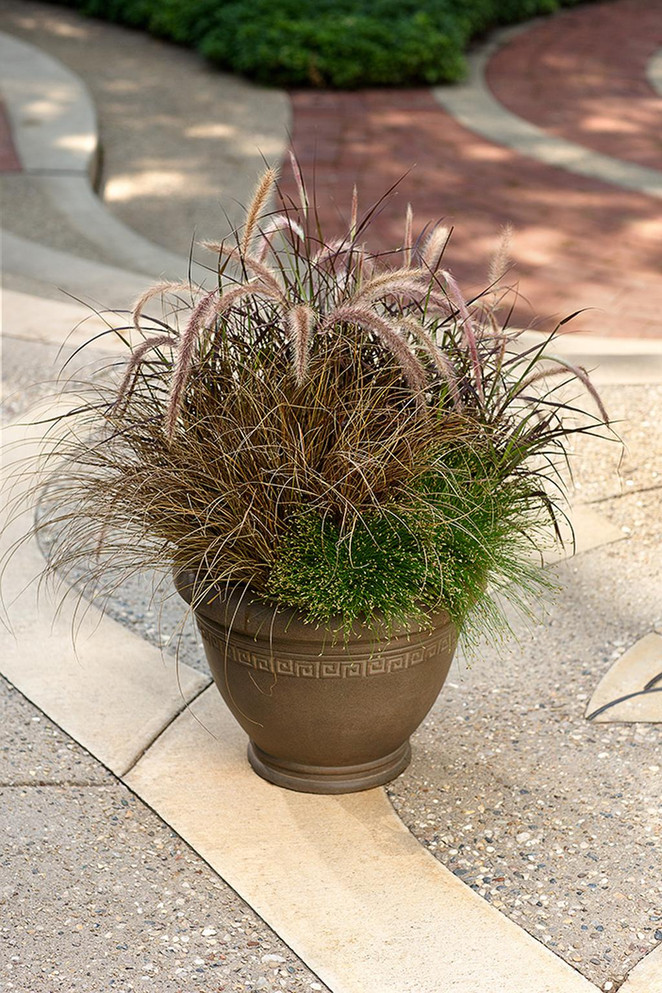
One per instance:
[(337, 437)]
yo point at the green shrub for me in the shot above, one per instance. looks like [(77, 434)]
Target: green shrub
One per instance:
[(327, 43)]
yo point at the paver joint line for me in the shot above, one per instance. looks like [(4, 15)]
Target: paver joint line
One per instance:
[(186, 705)]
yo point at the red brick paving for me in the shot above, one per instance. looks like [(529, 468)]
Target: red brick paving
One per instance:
[(9, 160), (578, 242), (582, 76)]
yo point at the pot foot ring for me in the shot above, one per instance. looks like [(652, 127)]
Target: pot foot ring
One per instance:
[(329, 779)]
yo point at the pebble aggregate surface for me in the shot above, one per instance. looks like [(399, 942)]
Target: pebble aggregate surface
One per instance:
[(553, 820), (97, 893)]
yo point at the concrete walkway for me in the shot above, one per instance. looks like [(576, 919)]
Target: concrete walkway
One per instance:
[(359, 899)]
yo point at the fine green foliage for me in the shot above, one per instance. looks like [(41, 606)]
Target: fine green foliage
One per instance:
[(343, 44), (325, 428), (404, 562)]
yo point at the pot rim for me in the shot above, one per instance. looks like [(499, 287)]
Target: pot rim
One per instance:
[(243, 607)]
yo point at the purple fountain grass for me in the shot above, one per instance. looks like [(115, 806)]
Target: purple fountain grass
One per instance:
[(281, 222), (138, 355), (210, 307), (267, 276), (301, 186), (500, 260), (354, 215), (157, 290), (558, 368), (395, 282), (435, 246), (469, 335), (187, 345), (441, 361), (301, 321), (321, 382), (387, 332), (257, 205), (407, 245)]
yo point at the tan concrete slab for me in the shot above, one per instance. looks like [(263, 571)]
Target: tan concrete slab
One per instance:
[(591, 530), (54, 322), (53, 119), (630, 674), (106, 285), (114, 692), (646, 977), (610, 361), (339, 878)]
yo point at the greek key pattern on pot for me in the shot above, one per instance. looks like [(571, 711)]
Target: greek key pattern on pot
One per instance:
[(319, 668)]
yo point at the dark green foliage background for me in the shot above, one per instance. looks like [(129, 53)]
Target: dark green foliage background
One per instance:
[(326, 43)]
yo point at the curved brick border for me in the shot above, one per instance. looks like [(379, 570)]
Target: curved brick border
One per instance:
[(593, 60), (579, 242)]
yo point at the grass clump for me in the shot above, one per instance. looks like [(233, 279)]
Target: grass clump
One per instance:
[(342, 44), (330, 429)]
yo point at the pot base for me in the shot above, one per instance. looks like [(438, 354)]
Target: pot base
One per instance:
[(329, 779)]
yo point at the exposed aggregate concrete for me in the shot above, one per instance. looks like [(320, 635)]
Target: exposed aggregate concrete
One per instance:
[(555, 821), (97, 893)]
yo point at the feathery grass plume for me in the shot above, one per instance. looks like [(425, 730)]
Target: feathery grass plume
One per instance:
[(435, 246), (157, 290), (257, 205), (211, 306), (441, 361), (395, 281), (187, 343), (138, 355), (301, 186), (265, 274), (301, 320), (501, 258), (467, 328), (412, 369), (279, 223), (409, 224), (354, 215), (578, 371)]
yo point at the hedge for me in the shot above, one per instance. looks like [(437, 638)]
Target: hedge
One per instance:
[(344, 44)]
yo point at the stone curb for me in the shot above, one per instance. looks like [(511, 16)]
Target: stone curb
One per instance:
[(646, 977), (473, 105), (55, 130), (59, 273), (113, 693), (610, 361), (625, 680)]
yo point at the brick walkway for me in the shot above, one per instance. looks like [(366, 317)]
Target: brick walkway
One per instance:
[(592, 63), (578, 242)]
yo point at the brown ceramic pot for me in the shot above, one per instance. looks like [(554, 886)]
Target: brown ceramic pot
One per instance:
[(323, 715)]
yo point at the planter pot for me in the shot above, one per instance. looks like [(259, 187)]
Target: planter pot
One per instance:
[(323, 715)]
